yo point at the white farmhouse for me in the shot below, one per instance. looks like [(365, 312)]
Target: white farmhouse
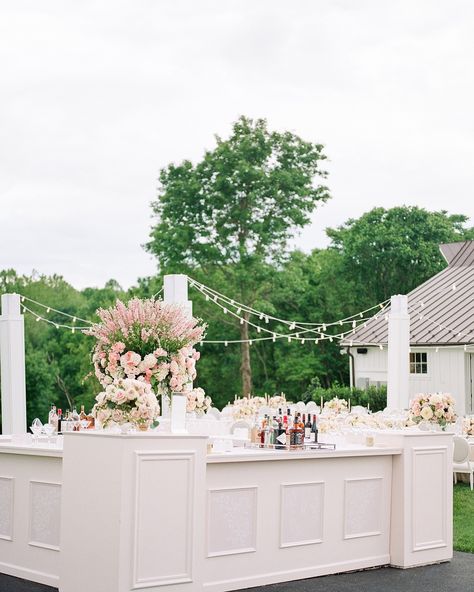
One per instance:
[(441, 334)]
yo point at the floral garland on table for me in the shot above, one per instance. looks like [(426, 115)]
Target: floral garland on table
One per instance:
[(468, 426), (126, 400), (336, 406), (197, 401), (148, 341), (435, 409)]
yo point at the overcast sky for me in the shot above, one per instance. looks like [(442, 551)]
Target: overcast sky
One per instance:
[(96, 97)]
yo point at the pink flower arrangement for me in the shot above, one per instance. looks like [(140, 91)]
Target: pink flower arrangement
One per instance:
[(126, 400), (437, 409), (197, 401), (148, 341), (468, 426)]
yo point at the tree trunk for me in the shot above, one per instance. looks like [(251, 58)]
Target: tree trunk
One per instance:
[(245, 367)]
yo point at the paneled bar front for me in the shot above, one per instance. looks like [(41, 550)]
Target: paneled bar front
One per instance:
[(150, 511)]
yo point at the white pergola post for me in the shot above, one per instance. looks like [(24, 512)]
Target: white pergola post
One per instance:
[(398, 394), (175, 290), (12, 360)]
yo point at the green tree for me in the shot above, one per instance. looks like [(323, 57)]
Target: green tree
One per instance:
[(234, 212), (392, 251)]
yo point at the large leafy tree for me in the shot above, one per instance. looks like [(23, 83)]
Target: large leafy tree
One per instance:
[(234, 211), (391, 251)]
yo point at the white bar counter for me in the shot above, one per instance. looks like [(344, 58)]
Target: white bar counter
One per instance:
[(151, 511)]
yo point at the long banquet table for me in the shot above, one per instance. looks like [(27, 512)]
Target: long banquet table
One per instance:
[(122, 512)]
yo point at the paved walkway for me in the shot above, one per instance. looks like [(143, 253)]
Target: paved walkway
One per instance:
[(457, 576)]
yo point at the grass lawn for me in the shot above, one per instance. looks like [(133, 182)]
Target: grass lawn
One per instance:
[(463, 518)]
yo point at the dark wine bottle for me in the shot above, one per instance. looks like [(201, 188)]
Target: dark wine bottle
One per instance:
[(314, 430)]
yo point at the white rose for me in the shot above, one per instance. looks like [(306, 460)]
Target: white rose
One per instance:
[(426, 413)]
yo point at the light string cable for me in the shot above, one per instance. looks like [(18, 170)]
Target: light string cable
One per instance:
[(50, 308), (425, 317), (214, 295), (301, 335), (72, 328)]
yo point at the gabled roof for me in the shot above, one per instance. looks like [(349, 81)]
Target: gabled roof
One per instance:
[(441, 310)]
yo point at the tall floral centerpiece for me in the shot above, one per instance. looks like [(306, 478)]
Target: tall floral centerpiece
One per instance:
[(148, 341)]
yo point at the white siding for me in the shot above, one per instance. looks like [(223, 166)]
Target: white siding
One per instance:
[(446, 372)]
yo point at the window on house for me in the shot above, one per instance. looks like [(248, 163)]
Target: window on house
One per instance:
[(418, 363)]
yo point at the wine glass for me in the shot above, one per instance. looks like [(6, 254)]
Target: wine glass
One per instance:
[(48, 430), (36, 429)]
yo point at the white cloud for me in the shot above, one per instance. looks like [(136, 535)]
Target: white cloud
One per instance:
[(97, 96)]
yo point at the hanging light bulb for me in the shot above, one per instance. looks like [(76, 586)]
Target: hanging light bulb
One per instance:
[(225, 310), (292, 326), (56, 325), (232, 302), (250, 342), (361, 315), (241, 321), (330, 339), (289, 339), (239, 310), (38, 319), (381, 306), (73, 330), (258, 329), (437, 350), (354, 324), (215, 298), (273, 337), (48, 309), (454, 287), (261, 316), (381, 347), (316, 341), (324, 327), (22, 299), (267, 320), (207, 298), (340, 322), (302, 341), (350, 343), (73, 319), (225, 343)]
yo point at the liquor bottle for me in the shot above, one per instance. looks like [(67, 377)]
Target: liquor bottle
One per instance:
[(262, 431), (254, 431), (60, 421), (51, 412), (307, 428), (298, 432), (82, 414), (314, 431), (290, 418), (280, 440), (53, 419), (75, 420)]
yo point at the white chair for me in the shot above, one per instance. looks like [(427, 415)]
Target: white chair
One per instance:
[(213, 412), (461, 462)]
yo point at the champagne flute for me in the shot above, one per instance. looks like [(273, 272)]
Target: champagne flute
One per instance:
[(36, 429)]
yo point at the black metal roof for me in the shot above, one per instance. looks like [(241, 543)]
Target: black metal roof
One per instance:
[(441, 309)]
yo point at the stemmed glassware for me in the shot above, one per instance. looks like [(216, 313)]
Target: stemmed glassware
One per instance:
[(36, 429), (48, 430)]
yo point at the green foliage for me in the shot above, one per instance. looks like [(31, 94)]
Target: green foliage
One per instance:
[(392, 251), (463, 509), (376, 397), (324, 285), (243, 201), (232, 214)]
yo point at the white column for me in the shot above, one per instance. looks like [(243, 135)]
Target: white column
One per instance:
[(175, 290), (12, 360), (398, 353)]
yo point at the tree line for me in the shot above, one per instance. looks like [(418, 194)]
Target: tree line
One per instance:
[(227, 221)]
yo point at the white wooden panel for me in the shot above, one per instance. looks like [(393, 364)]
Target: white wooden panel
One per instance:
[(232, 521), (363, 507), (429, 498), (45, 514), (301, 513), (163, 518), (6, 507)]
